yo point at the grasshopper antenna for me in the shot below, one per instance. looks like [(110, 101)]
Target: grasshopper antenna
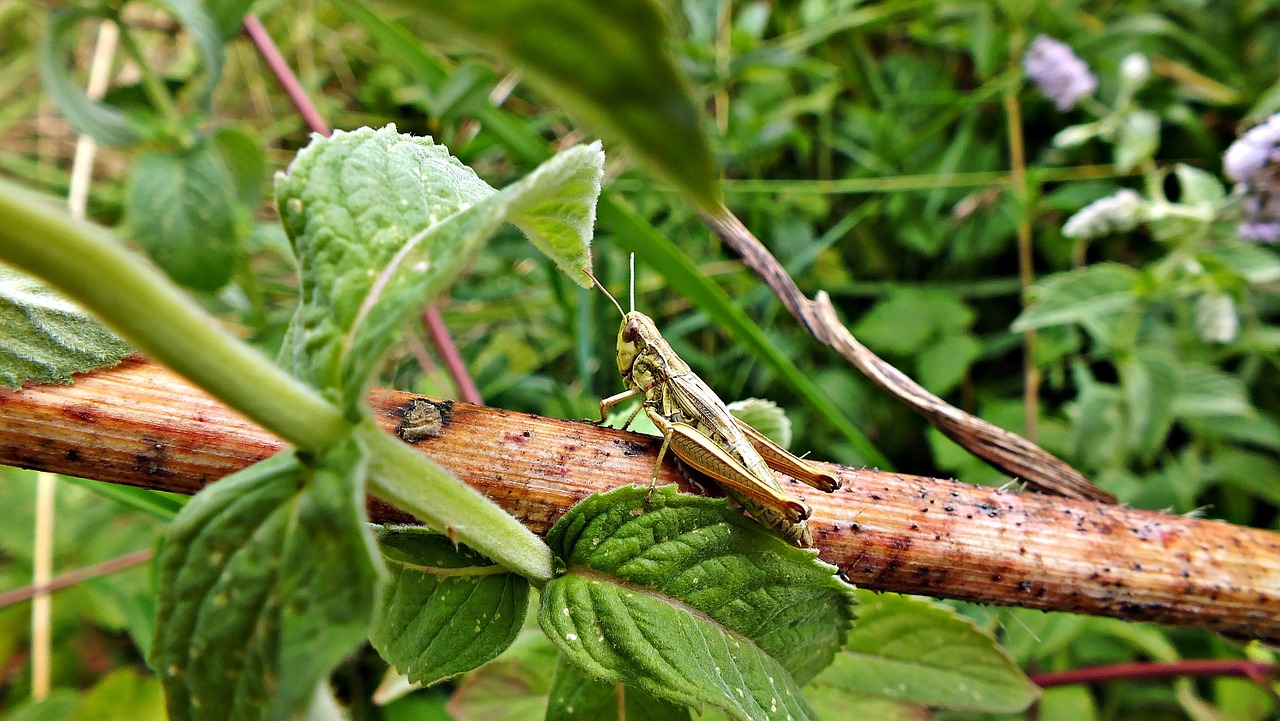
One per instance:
[(633, 282), (606, 292)]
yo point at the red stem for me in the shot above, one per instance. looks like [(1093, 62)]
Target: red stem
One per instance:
[(302, 102), (70, 578), (449, 354), (1258, 672), (284, 74)]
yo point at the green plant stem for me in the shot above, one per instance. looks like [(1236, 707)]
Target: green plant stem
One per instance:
[(156, 92), (414, 483), (90, 265), (1026, 272)]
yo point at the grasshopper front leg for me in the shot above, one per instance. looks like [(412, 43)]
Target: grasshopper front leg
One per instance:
[(614, 400)]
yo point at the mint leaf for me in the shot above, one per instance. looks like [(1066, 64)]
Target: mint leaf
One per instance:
[(381, 222), (1205, 391), (1094, 297), (608, 63), (919, 652), (512, 687), (688, 599), (1150, 381), (182, 210), (574, 696), (267, 581), (764, 416), (446, 609), (45, 338)]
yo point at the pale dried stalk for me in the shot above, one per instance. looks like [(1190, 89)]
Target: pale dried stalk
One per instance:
[(139, 424), (1006, 451)]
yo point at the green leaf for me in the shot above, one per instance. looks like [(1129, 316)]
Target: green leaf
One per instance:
[(182, 210), (1198, 188), (608, 64), (58, 706), (1137, 139), (1150, 382), (574, 695), (205, 34), (381, 222), (906, 321), (941, 365), (834, 703), (246, 160), (764, 416), (446, 609), (512, 687), (1092, 297), (227, 15), (122, 696), (1205, 391), (267, 581), (100, 121), (688, 599), (1247, 260), (1067, 703), (919, 652), (44, 338)]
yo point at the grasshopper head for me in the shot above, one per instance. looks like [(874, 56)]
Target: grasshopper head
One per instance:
[(633, 337)]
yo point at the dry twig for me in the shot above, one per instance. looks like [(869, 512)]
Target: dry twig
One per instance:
[(1006, 451)]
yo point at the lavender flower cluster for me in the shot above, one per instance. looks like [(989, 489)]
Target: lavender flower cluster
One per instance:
[(1056, 70), (1253, 162)]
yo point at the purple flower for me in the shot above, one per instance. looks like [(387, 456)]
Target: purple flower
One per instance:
[(1254, 151), (1253, 162), (1062, 76)]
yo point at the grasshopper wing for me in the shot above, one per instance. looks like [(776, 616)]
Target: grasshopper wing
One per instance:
[(781, 460), (704, 456)]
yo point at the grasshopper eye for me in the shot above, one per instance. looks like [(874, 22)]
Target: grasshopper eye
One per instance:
[(631, 331)]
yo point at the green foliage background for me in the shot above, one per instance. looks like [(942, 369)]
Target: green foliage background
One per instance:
[(869, 147)]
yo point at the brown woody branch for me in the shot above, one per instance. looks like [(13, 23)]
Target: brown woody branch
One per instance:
[(141, 425)]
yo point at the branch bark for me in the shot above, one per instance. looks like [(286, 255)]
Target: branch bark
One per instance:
[(141, 425)]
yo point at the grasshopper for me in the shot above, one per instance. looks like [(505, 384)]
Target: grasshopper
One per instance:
[(698, 428)]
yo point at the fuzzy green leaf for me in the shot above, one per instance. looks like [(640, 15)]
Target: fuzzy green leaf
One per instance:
[(182, 210), (764, 416), (446, 609), (608, 63), (687, 599), (267, 581), (381, 222), (575, 696), (919, 652), (44, 338)]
